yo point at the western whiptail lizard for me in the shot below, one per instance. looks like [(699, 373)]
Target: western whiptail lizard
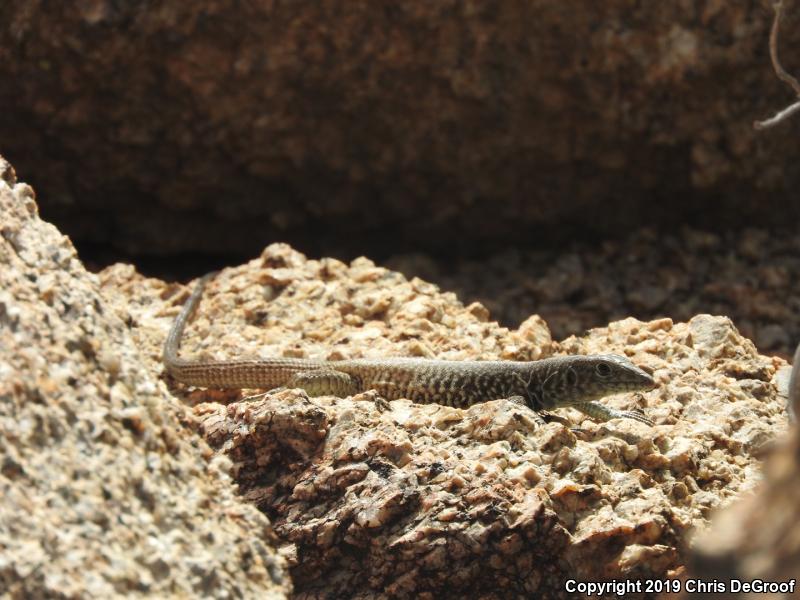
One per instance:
[(541, 385)]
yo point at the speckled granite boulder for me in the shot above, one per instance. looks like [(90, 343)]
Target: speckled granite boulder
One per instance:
[(756, 540), (440, 502), (106, 490)]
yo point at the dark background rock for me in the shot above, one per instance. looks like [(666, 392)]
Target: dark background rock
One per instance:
[(749, 275), (216, 127)]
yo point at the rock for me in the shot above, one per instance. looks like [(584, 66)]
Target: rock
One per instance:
[(772, 337), (413, 500), (757, 538), (716, 337), (647, 274), (106, 489), (430, 500), (335, 126)]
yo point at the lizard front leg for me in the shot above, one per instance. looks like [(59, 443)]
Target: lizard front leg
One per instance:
[(520, 401), (604, 413)]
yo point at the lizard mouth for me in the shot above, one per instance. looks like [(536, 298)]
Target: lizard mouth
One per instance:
[(646, 381), (644, 386)]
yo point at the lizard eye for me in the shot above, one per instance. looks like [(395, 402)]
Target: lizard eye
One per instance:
[(602, 369)]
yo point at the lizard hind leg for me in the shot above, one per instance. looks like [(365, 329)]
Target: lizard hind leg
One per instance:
[(324, 382)]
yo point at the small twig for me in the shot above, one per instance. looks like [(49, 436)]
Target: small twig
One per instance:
[(772, 121), (773, 51), (780, 72)]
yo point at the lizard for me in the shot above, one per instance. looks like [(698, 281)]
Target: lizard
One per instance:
[(541, 385)]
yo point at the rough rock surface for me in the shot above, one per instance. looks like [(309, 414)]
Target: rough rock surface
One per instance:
[(105, 489), (749, 275), (429, 501), (331, 124), (757, 539)]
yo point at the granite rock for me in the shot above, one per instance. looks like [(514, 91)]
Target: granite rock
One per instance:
[(431, 501), (106, 489)]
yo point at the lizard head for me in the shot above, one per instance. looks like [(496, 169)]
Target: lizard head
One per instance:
[(580, 379)]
